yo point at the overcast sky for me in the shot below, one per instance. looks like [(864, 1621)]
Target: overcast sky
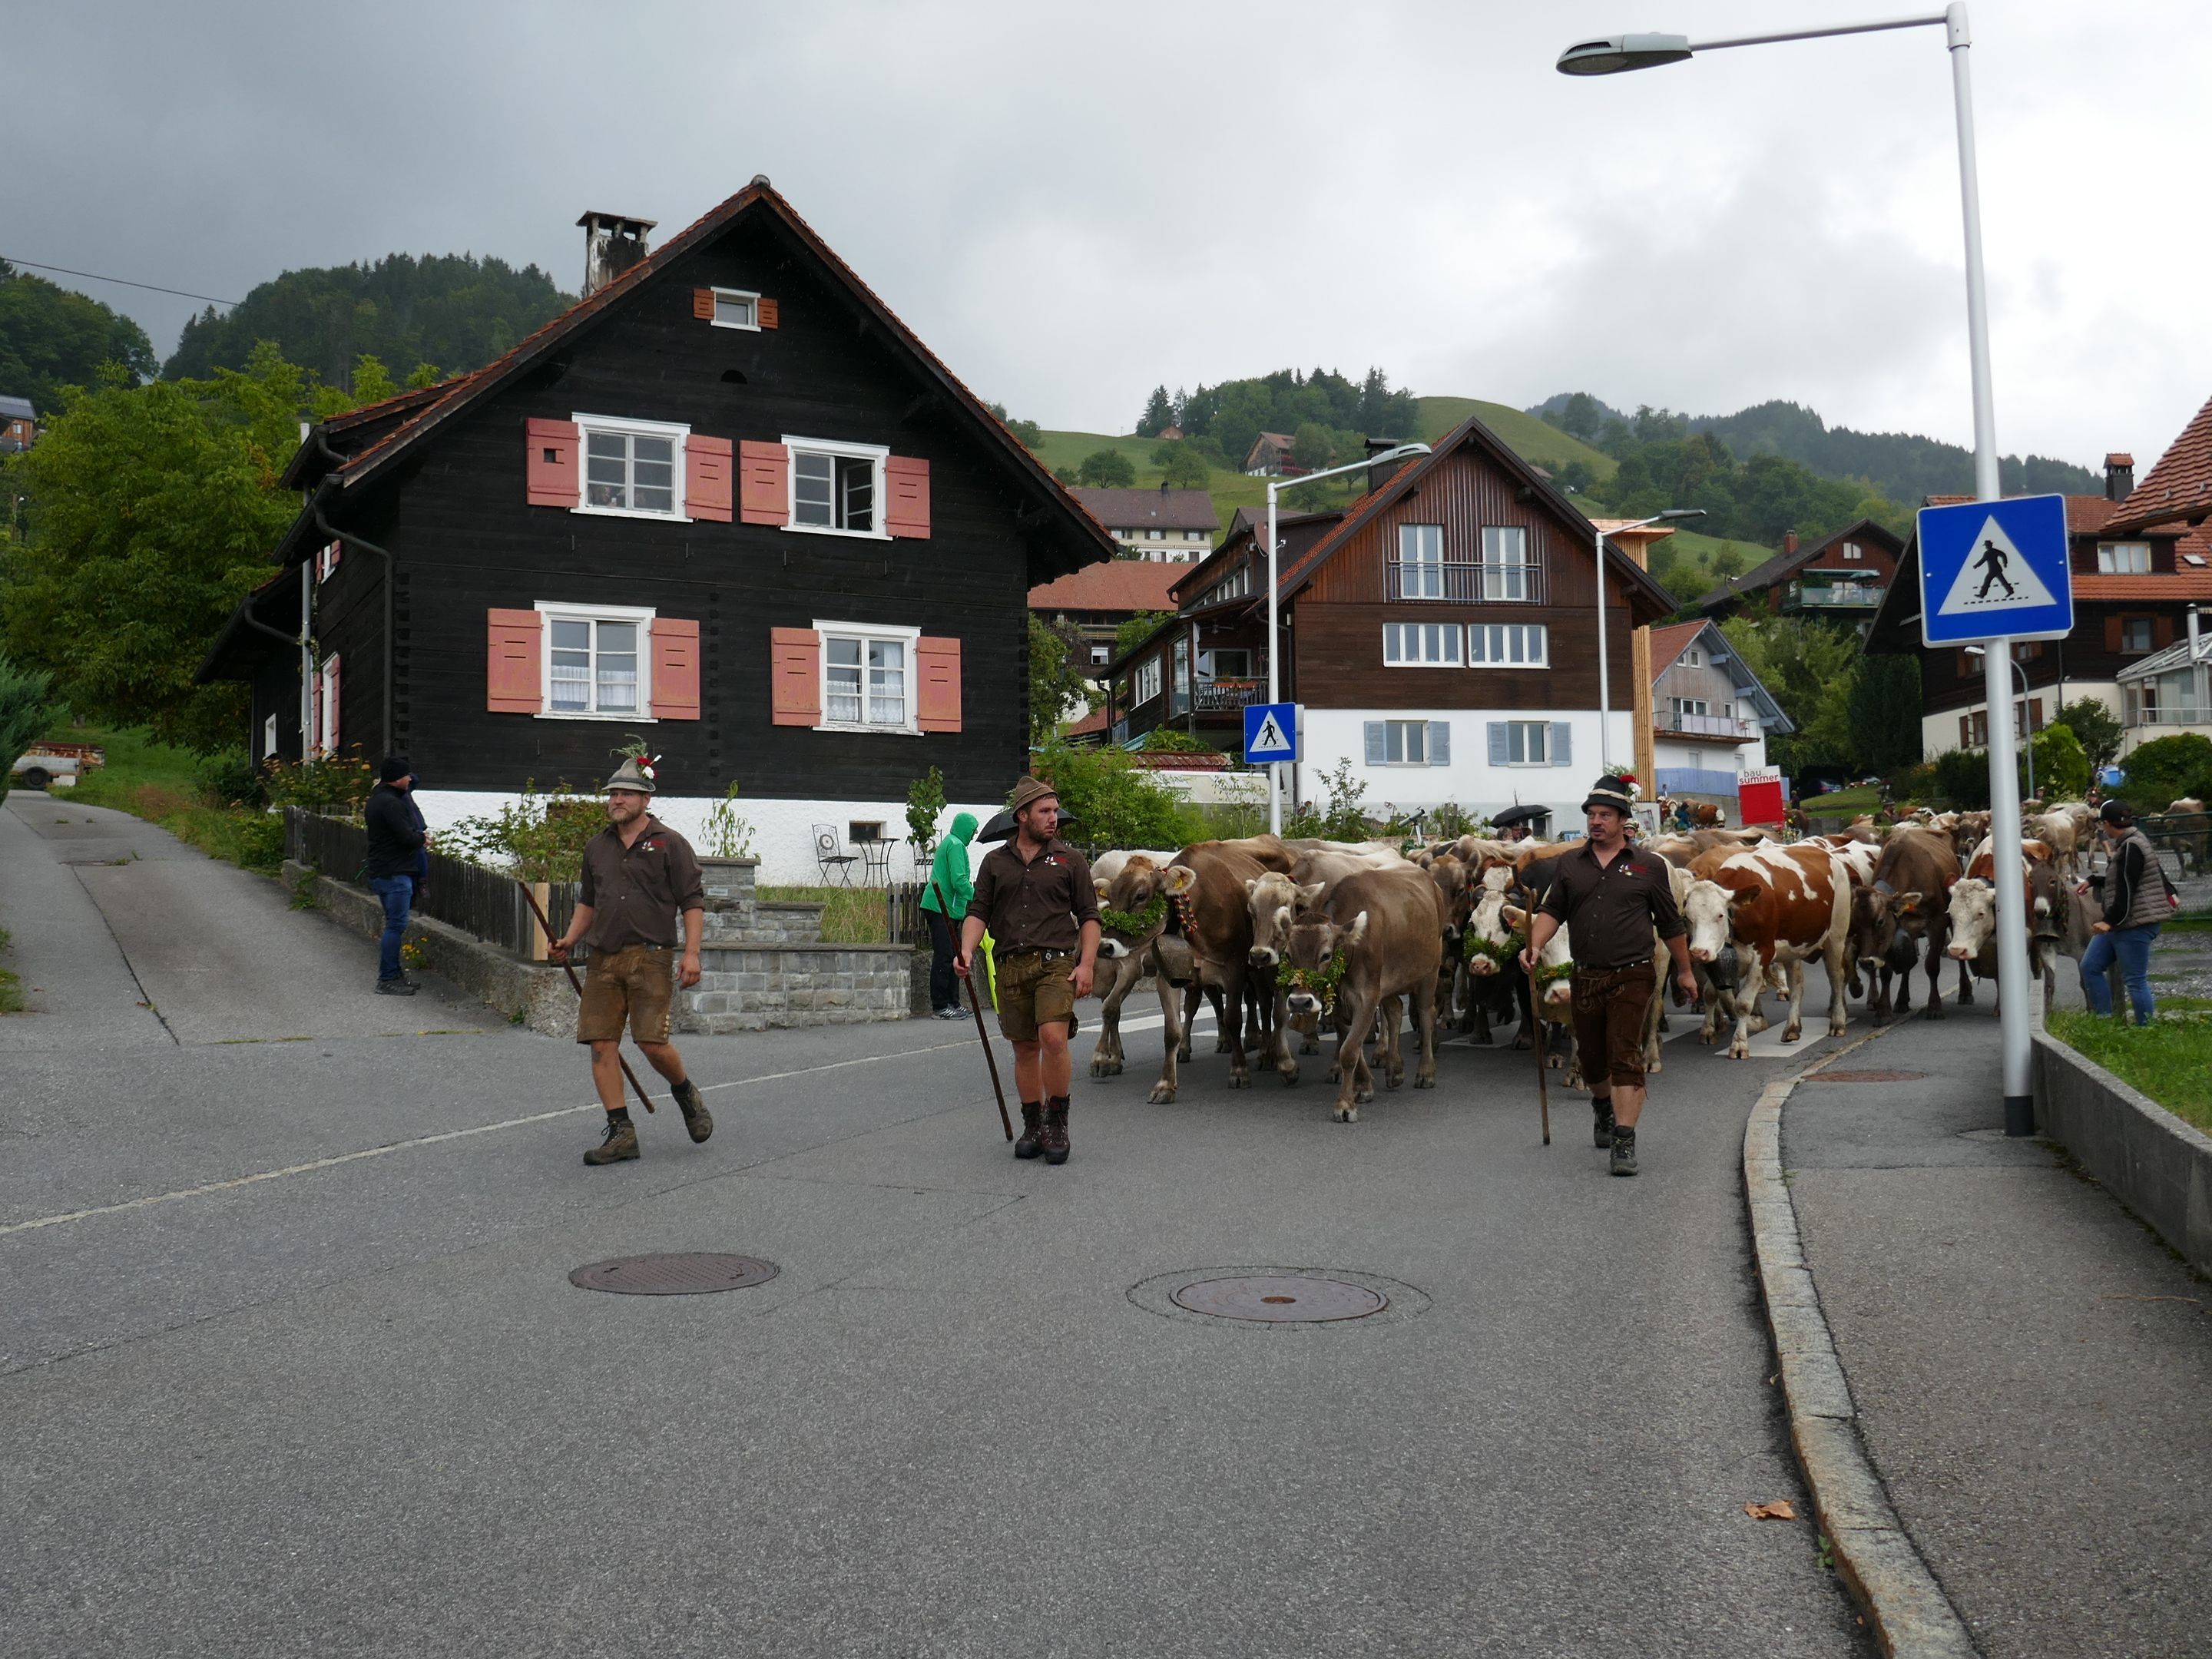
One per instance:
[(1074, 203)]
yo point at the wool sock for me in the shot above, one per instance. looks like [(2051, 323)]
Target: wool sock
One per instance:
[(619, 1117)]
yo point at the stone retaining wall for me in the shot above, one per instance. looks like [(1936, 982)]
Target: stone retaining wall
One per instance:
[(750, 988), (2154, 1162)]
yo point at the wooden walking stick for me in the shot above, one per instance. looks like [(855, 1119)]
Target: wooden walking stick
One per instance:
[(976, 1004), (1542, 1043), (532, 899)]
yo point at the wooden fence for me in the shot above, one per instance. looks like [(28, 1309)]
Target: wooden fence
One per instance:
[(488, 903)]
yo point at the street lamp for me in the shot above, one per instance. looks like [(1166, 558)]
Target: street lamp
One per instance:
[(1622, 53), (1275, 487), (1983, 651), (1604, 689)]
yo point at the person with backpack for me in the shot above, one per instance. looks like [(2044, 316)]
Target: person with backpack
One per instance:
[(2137, 899)]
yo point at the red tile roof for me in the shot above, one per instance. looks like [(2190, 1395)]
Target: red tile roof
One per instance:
[(1094, 721), (2088, 513), (2180, 484), (1669, 642), (2182, 584), (1130, 584)]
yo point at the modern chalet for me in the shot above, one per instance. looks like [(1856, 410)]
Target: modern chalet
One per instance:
[(1710, 715), (1844, 575), (728, 503), (1441, 632)]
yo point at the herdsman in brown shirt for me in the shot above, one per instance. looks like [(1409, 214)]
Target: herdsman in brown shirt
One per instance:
[(638, 875), (1036, 895), (1615, 894)]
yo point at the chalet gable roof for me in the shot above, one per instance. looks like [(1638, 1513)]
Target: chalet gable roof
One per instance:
[(2179, 486), (428, 412), (1765, 574), (1646, 594), (1668, 645), (1151, 510)]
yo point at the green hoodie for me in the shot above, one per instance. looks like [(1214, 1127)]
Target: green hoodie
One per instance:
[(948, 871)]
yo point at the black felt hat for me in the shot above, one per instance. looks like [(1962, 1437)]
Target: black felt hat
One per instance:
[(1611, 790)]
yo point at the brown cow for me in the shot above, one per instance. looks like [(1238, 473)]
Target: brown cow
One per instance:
[(1377, 935), (1127, 954), (1777, 905), (1973, 915), (1907, 909), (1207, 884)]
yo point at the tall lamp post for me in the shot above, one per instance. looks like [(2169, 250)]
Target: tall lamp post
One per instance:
[(1275, 488), (1604, 684), (2028, 748), (1637, 51)]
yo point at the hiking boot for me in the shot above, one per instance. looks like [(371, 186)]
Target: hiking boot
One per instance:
[(619, 1146), (1623, 1151), (1055, 1138), (1032, 1140), (1602, 1128), (696, 1118), (395, 987)]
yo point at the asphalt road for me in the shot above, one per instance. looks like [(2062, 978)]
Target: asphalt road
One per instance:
[(299, 1371)]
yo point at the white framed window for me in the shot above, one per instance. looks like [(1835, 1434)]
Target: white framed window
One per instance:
[(326, 707), (836, 489), (1693, 658), (1851, 550), (268, 737), (2135, 633), (1224, 663), (2124, 558), (735, 308), (1421, 645), (1505, 562), (326, 561), (1101, 655), (1147, 684), (632, 469), (1508, 645), (867, 676), (598, 661), (1421, 562), (1405, 743), (1194, 535), (1690, 705), (1155, 535), (1528, 743)]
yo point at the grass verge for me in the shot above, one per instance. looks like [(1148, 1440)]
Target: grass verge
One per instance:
[(850, 915), (2170, 1060), (161, 784), (11, 985)]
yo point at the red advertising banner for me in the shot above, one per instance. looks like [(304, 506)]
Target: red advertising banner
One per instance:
[(1758, 798)]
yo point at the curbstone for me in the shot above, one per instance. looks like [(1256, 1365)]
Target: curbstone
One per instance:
[(1876, 1559)]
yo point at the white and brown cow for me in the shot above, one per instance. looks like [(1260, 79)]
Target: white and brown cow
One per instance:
[(1206, 882), (1779, 906), (1377, 935), (1973, 915)]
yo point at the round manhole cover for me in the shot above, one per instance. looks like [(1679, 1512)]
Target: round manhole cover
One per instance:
[(1280, 1298), (692, 1273), (1865, 1076)]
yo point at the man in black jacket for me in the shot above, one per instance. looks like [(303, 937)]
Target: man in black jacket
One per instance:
[(395, 847)]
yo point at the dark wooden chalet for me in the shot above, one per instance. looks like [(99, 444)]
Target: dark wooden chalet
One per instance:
[(1842, 575), (728, 502)]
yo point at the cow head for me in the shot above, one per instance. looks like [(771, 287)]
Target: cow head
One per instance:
[(1555, 985), (1710, 910), (1314, 951), (1488, 940), (1275, 900), (1973, 917), (1133, 908)]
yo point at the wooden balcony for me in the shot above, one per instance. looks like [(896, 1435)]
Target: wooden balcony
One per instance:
[(1214, 694), (1465, 581), (1833, 595)]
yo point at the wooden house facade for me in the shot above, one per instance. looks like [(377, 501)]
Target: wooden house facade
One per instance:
[(727, 503)]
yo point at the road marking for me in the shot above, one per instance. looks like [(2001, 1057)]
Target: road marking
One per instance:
[(333, 1161)]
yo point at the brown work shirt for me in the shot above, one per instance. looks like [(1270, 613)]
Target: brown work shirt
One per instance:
[(1037, 906), (1614, 908), (636, 892)]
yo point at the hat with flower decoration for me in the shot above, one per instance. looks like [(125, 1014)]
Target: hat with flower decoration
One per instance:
[(636, 773), (1616, 790)]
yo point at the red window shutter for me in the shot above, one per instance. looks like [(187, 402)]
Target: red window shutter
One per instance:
[(675, 668), (906, 490), (763, 482), (552, 471), (703, 304), (936, 664), (795, 677), (707, 477), (2111, 633), (1966, 733), (514, 677), (764, 312)]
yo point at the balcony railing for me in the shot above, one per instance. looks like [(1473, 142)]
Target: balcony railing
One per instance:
[(2176, 716), (1833, 595), (1467, 582), (1228, 693), (1704, 725)]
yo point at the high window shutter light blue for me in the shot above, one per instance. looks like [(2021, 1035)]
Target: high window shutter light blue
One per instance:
[(1563, 743), (1499, 757), (1440, 743), (1375, 754)]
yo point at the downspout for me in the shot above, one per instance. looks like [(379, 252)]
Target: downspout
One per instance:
[(390, 737)]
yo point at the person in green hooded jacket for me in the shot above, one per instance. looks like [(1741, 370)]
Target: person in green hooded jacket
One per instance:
[(948, 874)]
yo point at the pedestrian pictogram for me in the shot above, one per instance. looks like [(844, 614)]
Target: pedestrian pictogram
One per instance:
[(1270, 733), (1995, 570)]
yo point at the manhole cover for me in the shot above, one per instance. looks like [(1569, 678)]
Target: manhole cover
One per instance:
[(1281, 1298), (692, 1273), (1865, 1076)]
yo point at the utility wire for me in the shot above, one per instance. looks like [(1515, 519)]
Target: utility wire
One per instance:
[(93, 276)]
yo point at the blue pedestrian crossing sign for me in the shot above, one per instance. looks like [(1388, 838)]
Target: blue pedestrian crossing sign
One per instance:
[(1995, 570), (1271, 732)]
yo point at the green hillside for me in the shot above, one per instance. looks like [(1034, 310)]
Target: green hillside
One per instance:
[(1532, 439)]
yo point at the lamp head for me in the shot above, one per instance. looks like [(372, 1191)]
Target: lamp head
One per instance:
[(1619, 53), (1683, 512)]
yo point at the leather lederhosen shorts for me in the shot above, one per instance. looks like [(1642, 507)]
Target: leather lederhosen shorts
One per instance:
[(1611, 1006), (1036, 987), (637, 982)]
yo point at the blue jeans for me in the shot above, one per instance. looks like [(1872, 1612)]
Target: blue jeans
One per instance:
[(398, 893), (2131, 947)]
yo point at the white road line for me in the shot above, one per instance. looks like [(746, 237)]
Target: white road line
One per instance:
[(426, 1140)]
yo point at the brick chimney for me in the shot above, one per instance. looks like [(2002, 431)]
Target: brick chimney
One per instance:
[(613, 242), (1788, 541), (2119, 477), (1379, 476)]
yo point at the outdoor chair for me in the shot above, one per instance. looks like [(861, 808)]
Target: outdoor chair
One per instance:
[(831, 856)]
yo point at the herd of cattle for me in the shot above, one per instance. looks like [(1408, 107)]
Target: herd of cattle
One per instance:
[(1282, 935)]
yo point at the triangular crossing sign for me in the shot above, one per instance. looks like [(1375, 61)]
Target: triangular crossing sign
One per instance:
[(1994, 578), (1270, 734)]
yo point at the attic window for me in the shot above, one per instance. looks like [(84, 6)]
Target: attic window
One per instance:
[(735, 308), (2124, 558), (2196, 559)]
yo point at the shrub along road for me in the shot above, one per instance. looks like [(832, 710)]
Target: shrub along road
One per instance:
[(357, 1407)]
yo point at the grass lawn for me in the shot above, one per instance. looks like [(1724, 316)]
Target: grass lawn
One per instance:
[(2170, 1060), (161, 785), (11, 987), (850, 915), (1532, 439), (1849, 803)]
